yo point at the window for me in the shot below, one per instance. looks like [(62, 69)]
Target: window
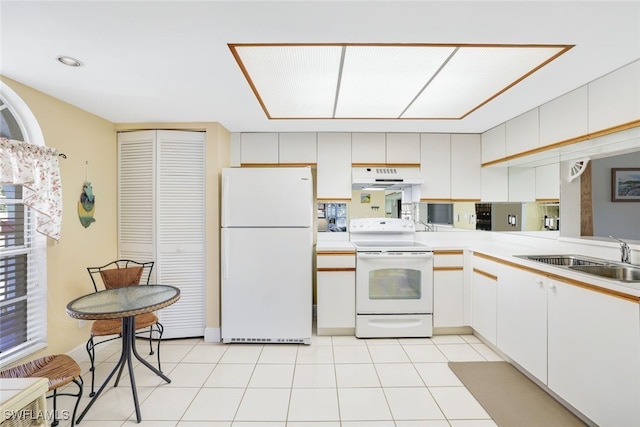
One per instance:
[(23, 315)]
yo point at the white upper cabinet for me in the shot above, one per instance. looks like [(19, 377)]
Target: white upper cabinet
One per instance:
[(435, 166), (403, 148), (334, 166), (465, 167), (548, 182), (377, 148), (615, 98), (368, 148), (493, 143), (565, 117), (297, 148), (259, 148), (522, 133)]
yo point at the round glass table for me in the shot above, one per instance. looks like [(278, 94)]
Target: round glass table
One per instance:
[(126, 303)]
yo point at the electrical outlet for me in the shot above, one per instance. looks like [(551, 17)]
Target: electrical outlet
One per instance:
[(81, 323)]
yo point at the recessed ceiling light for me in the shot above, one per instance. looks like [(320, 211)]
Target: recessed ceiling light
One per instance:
[(67, 60)]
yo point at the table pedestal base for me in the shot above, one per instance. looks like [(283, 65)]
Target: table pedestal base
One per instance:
[(128, 347)]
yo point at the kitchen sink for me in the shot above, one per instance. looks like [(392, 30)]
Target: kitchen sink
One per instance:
[(614, 271), (564, 260), (594, 266)]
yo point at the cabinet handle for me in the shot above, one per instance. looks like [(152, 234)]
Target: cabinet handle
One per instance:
[(539, 282), (552, 285)]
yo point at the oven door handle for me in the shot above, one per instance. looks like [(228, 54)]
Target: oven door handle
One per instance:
[(403, 255)]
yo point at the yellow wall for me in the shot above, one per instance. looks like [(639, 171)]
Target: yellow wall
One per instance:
[(83, 137)]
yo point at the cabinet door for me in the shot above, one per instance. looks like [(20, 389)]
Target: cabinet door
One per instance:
[(465, 167), (435, 166), (448, 289), (368, 148), (259, 148), (522, 319), (336, 293), (403, 149), (493, 143), (297, 148), (564, 117), (334, 166), (523, 133), (615, 98), (483, 298), (594, 353)]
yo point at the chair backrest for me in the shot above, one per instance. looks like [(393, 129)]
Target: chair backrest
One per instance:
[(122, 272)]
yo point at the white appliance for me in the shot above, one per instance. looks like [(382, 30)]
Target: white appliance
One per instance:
[(266, 255), (385, 178), (394, 279)]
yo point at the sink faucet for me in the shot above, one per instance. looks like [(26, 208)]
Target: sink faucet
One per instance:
[(428, 227), (624, 250)]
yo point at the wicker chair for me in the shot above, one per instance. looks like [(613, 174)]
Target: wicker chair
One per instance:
[(116, 274), (59, 369)]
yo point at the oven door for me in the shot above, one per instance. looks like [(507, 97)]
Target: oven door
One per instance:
[(394, 282)]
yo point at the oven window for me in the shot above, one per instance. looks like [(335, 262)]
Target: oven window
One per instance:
[(394, 283)]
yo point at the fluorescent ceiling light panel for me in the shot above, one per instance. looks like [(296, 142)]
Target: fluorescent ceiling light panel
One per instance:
[(293, 81), (384, 81), (380, 81), (474, 76)]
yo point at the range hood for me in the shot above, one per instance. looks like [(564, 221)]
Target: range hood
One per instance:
[(383, 178)]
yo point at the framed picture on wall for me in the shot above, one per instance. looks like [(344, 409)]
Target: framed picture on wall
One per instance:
[(625, 184)]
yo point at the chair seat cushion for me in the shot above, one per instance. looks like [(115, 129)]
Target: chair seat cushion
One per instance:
[(59, 369), (114, 326)]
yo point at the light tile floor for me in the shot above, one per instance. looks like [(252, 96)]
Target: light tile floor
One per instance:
[(334, 382)]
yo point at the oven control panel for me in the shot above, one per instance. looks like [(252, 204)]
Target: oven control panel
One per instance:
[(381, 225)]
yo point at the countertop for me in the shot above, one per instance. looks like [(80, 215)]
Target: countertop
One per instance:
[(17, 393), (506, 251), (334, 246)]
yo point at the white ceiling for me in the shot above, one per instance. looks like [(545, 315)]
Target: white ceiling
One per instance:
[(150, 61)]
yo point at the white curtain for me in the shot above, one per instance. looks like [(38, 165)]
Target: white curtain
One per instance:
[(36, 168)]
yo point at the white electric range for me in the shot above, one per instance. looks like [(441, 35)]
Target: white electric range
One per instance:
[(394, 279)]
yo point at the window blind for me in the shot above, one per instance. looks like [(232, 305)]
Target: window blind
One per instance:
[(22, 296)]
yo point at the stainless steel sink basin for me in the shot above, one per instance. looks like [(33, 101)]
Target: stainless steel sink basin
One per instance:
[(594, 266), (615, 271), (564, 260)]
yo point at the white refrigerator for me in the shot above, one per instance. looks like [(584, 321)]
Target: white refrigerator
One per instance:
[(267, 255)]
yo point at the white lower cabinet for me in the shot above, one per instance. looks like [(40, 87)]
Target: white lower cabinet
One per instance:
[(483, 298), (448, 289), (522, 319), (594, 353), (336, 293)]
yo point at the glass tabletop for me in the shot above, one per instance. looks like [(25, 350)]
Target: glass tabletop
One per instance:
[(122, 302)]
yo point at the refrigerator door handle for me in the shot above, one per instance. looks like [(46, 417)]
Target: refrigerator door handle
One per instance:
[(226, 200), (225, 257)]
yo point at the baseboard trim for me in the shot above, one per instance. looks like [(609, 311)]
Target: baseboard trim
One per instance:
[(212, 335)]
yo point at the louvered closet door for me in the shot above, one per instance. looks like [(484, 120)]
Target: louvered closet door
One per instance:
[(180, 229), (161, 202), (136, 201)]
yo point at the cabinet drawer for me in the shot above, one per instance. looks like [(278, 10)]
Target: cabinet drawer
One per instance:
[(448, 258), (483, 265), (336, 261)]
